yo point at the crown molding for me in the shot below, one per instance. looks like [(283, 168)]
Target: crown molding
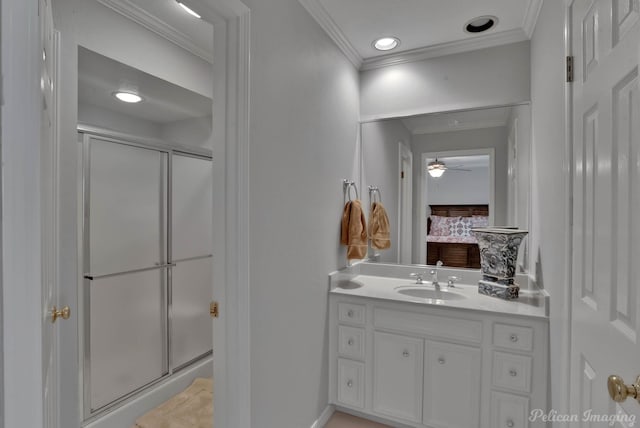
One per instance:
[(140, 16), (462, 127), (531, 17), (449, 48), (322, 17)]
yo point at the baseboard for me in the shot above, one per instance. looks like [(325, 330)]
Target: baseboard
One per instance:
[(324, 417)]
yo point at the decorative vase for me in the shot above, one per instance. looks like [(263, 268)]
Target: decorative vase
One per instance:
[(498, 259)]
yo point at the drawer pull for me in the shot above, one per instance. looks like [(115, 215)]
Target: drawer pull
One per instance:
[(349, 383), (514, 339), (350, 313), (441, 360), (350, 342), (405, 353), (513, 373), (510, 423)]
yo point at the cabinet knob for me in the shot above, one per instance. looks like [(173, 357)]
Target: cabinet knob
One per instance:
[(513, 373), (441, 360), (510, 423), (349, 383), (405, 353), (513, 338), (350, 313), (350, 342)]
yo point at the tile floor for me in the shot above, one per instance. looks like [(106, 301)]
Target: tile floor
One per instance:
[(342, 420)]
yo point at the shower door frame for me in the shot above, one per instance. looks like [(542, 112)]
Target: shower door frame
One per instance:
[(88, 132)]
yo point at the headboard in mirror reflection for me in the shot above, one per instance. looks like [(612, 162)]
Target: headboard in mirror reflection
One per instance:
[(482, 159)]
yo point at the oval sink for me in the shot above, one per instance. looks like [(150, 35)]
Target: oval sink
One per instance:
[(429, 293)]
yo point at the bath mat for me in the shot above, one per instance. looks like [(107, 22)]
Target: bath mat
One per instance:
[(192, 408)]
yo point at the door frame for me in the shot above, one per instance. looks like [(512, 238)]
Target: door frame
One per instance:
[(21, 238)]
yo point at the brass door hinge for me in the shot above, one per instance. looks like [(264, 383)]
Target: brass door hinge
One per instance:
[(214, 309), (569, 69)]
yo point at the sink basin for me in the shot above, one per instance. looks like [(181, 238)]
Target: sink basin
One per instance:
[(429, 293)]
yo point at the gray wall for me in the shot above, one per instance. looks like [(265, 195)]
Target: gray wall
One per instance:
[(304, 121), (380, 167), (550, 187), (461, 140), (469, 187), (486, 77)]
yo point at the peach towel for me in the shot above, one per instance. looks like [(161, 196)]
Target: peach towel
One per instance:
[(379, 230), (353, 232), (192, 408)]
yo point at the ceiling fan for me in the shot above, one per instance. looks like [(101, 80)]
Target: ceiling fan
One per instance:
[(437, 168)]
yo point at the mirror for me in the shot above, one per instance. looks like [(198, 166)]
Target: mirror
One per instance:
[(441, 174)]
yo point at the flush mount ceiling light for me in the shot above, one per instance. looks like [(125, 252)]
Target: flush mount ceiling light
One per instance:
[(480, 24), (127, 97), (386, 43), (436, 168), (189, 10)]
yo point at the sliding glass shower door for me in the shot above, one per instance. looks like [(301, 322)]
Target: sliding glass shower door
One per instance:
[(126, 281), (147, 266)]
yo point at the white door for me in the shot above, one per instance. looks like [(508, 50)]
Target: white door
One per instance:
[(606, 231), (48, 152)]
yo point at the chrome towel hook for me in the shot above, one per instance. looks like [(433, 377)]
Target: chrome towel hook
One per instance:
[(346, 189)]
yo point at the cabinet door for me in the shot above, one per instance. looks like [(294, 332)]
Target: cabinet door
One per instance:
[(451, 385), (397, 376)]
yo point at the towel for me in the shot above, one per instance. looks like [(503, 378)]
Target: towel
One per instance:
[(353, 232), (379, 227)]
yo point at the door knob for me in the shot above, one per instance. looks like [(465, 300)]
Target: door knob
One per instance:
[(619, 391), (63, 313)]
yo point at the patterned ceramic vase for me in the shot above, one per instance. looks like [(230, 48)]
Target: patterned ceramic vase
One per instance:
[(498, 259)]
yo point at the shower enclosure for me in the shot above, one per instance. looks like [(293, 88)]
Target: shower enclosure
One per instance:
[(147, 271)]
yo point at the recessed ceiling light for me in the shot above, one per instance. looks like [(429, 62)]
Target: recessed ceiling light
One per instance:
[(127, 97), (480, 24), (189, 10), (386, 43)]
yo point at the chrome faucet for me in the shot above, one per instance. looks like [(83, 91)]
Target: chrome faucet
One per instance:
[(434, 275)]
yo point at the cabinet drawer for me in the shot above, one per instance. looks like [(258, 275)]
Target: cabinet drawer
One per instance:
[(351, 342), (513, 337), (426, 324), (351, 313), (509, 411), (512, 371), (351, 383)]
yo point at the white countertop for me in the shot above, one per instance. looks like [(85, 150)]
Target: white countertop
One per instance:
[(530, 303)]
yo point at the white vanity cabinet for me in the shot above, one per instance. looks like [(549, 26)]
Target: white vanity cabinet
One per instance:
[(419, 365)]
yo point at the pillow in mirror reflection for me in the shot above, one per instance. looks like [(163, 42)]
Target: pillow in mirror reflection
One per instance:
[(479, 221), (440, 226), (461, 226)]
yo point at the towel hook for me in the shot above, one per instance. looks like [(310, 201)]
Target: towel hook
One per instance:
[(346, 189), (373, 191)]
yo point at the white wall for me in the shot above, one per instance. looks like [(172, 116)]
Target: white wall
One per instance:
[(459, 187), (194, 132), (550, 186), (380, 167), (304, 121), (487, 77), (102, 30), (495, 138), (109, 119)]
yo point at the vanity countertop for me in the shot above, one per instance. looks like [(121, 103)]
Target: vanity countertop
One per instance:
[(466, 297)]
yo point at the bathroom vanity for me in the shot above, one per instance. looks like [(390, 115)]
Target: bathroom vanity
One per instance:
[(411, 355)]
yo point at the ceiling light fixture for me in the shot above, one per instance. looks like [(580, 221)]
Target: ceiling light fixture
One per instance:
[(127, 97), (480, 24), (436, 168), (386, 43), (189, 10)]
